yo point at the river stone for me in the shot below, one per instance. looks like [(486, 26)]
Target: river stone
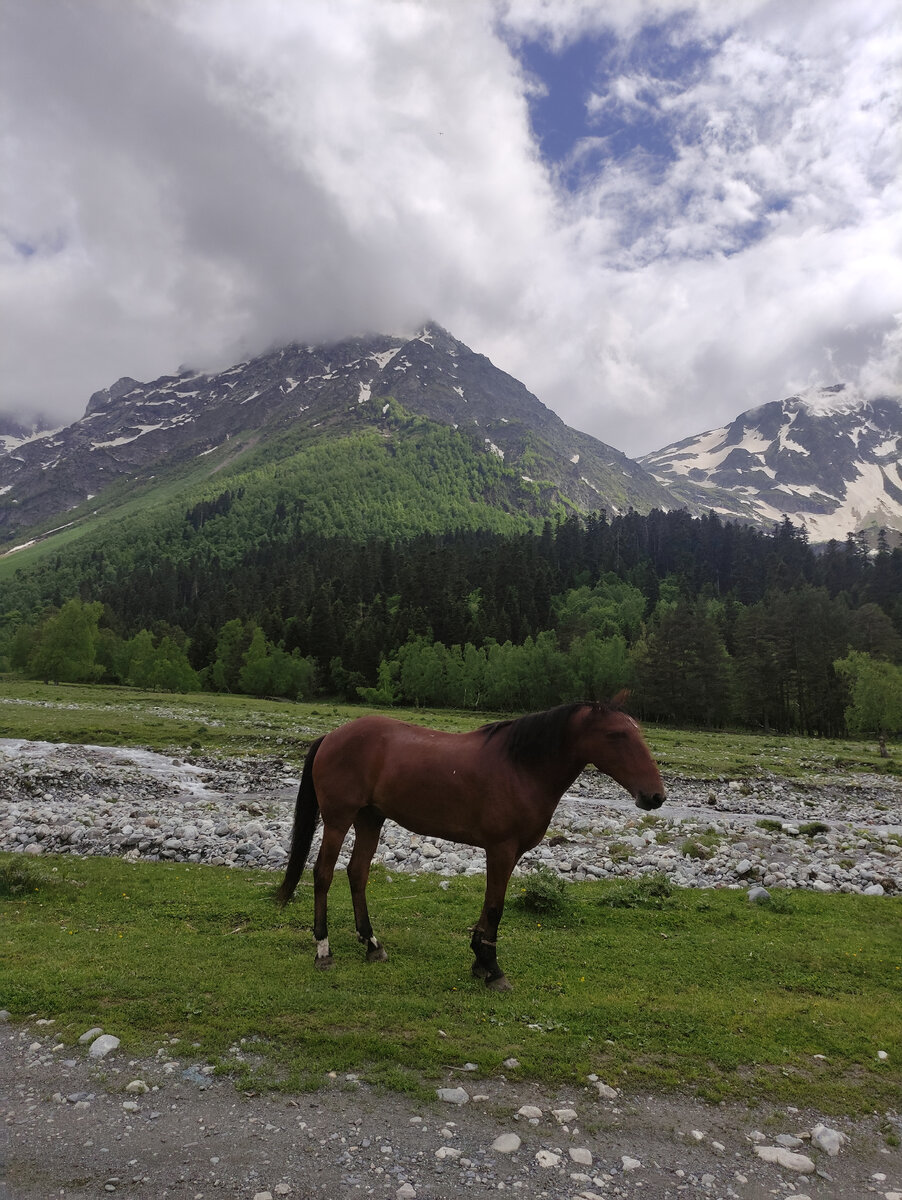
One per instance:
[(103, 1046), (506, 1143), (452, 1095), (564, 1115), (786, 1158), (828, 1139), (545, 1158)]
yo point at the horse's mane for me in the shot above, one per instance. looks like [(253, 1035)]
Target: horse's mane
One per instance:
[(531, 739)]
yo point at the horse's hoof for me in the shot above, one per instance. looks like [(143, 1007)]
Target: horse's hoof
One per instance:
[(479, 971), (499, 984), (323, 963), (376, 954)]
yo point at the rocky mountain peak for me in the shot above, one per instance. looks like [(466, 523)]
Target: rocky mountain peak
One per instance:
[(829, 459)]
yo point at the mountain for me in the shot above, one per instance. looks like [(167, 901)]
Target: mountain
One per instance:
[(827, 459), (135, 437)]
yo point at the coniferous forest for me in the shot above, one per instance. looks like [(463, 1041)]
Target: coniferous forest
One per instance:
[(709, 622)]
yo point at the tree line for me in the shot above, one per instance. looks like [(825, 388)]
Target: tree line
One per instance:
[(709, 622)]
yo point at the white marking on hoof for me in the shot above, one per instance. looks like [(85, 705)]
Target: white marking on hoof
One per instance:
[(322, 948), (374, 943)]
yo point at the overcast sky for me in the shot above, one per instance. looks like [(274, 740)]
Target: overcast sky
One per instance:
[(655, 215)]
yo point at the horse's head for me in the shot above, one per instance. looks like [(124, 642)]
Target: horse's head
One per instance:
[(613, 741)]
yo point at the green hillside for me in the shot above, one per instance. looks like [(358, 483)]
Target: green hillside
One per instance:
[(410, 477)]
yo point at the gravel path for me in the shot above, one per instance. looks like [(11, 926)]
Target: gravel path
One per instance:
[(89, 1129), (75, 1127)]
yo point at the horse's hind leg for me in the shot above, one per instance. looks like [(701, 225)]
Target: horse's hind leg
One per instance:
[(333, 837), (498, 867), (367, 827)]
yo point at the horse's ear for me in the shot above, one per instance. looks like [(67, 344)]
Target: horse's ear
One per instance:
[(620, 699)]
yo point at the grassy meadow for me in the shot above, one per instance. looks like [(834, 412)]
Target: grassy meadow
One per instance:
[(213, 723), (649, 988)]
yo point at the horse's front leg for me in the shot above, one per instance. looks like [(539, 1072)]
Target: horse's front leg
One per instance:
[(323, 872), (498, 867), (367, 828)]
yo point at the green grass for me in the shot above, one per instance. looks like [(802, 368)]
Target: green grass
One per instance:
[(211, 723), (653, 987)]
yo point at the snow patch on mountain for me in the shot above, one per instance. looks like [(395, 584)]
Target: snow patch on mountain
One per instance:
[(828, 458)]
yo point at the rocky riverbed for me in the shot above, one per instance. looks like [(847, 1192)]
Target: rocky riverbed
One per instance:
[(835, 833)]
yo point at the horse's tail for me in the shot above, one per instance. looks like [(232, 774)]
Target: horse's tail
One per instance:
[(306, 816)]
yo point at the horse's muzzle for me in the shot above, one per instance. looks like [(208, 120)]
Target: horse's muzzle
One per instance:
[(650, 800)]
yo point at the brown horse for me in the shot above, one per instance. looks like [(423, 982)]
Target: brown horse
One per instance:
[(496, 787)]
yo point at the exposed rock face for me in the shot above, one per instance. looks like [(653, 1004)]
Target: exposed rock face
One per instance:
[(828, 460), (133, 430)]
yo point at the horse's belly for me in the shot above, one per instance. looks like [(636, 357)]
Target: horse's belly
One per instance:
[(435, 807)]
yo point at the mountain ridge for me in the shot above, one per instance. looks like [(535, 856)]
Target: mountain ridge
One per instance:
[(132, 429), (828, 459)]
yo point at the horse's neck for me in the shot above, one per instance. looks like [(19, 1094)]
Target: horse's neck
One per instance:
[(556, 776)]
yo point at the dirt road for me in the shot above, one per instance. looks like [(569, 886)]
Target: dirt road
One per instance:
[(74, 1128)]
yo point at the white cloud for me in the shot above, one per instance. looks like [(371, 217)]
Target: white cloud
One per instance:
[(192, 180)]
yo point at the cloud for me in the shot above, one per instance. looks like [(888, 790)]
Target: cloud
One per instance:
[(193, 181)]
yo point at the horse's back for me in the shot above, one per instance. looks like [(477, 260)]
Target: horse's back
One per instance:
[(427, 780)]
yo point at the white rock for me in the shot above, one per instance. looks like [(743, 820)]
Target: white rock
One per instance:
[(828, 1139), (530, 1112), (406, 1192), (882, 1056), (564, 1115), (630, 1164), (90, 1035), (606, 1093), (452, 1095), (262, 1195), (545, 1158), (283, 1189), (892, 1195), (103, 1046), (444, 1152), (511, 1063), (138, 1086), (581, 1156), (788, 1141), (131, 1105), (506, 1143), (781, 1157), (697, 1135)]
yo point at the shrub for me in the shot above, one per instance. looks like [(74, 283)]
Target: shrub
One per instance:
[(694, 849), (541, 891), (649, 891), (18, 877), (813, 827), (770, 825)]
